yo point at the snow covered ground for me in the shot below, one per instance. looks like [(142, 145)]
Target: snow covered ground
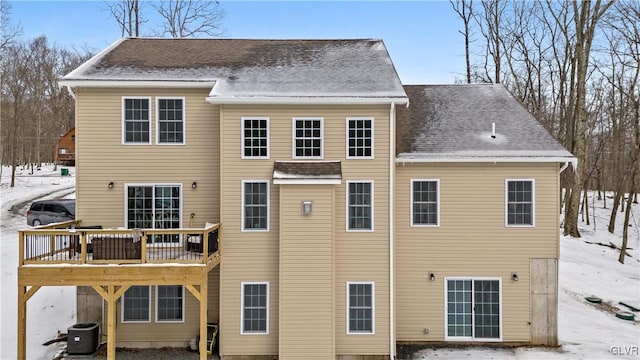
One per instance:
[(586, 331)]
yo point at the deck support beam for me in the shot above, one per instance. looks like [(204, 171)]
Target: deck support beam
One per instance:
[(203, 316), (111, 296), (24, 295)]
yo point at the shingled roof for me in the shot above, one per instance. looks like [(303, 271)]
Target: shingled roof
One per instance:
[(453, 122), (358, 68)]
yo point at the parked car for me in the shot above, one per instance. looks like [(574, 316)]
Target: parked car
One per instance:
[(51, 211)]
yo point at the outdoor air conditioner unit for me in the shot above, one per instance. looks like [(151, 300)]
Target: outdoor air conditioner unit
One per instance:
[(83, 338)]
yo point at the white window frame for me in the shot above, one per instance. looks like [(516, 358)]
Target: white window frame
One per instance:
[(242, 228), (242, 137), (158, 306), (533, 204), (184, 120), (437, 224), (372, 206), (122, 320), (293, 137), (242, 331), (373, 308), (370, 118), (126, 205), (124, 128), (446, 312)]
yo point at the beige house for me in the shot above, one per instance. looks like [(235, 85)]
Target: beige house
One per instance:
[(349, 213)]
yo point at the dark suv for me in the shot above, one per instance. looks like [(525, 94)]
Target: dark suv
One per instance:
[(51, 211)]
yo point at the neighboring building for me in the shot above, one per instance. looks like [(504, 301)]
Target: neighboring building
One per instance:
[(65, 150), (355, 213)]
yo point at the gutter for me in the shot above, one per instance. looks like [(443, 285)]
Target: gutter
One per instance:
[(308, 100), (497, 159), (392, 147)]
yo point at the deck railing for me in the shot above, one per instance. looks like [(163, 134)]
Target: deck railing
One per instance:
[(70, 243)]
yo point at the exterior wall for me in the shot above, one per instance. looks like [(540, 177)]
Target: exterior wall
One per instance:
[(101, 157), (471, 241), (68, 143), (306, 273), (253, 256)]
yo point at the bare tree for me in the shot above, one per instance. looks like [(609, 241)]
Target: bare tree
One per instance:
[(127, 13), (586, 18), (464, 9), (191, 18)]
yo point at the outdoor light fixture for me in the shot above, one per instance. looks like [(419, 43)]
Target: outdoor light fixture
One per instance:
[(432, 276), (514, 277), (110, 186), (307, 207), (194, 185)]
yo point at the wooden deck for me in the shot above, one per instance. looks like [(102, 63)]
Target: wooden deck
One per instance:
[(112, 260)]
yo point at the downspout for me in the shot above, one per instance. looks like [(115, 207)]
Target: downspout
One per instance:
[(392, 155), (70, 90)]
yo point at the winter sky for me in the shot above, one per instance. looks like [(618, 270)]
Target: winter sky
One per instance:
[(422, 36)]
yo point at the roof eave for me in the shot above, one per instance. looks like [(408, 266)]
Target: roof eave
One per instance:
[(310, 100), (75, 83), (405, 159)]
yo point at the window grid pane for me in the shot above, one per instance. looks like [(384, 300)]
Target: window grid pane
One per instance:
[(520, 202), (360, 206), (308, 138), (169, 302), (425, 203), (486, 296), (255, 308), (167, 212), (255, 205), (140, 207), (136, 304), (459, 308), (360, 138), (255, 138), (360, 308), (136, 121), (170, 121)]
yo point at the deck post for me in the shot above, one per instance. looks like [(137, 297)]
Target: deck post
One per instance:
[(111, 323), (22, 323), (203, 314)]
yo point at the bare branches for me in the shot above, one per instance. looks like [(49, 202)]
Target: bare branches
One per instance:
[(191, 18), (464, 9), (128, 16)]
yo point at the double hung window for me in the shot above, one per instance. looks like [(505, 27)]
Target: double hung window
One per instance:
[(307, 138), (255, 308), (360, 205), (255, 205), (520, 209), (170, 127), (136, 120), (425, 202), (255, 138), (360, 308), (359, 138)]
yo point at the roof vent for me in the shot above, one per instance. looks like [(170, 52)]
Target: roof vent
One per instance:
[(493, 130)]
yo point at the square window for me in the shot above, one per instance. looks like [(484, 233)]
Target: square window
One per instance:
[(136, 304)]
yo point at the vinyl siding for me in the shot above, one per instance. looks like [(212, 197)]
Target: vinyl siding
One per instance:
[(471, 241), (103, 158), (254, 256), (306, 273)]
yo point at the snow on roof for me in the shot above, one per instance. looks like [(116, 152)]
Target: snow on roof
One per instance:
[(252, 68), (307, 170), (456, 121)]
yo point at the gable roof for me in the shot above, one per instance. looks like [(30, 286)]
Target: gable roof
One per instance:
[(236, 68), (454, 123)]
